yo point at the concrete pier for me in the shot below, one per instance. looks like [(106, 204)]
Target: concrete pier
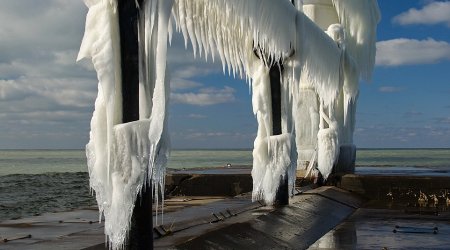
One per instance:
[(309, 216), (212, 209), (193, 222)]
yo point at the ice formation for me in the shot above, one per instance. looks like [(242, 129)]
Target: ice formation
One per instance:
[(124, 158), (322, 61)]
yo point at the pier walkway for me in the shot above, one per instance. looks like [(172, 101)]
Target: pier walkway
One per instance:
[(358, 212)]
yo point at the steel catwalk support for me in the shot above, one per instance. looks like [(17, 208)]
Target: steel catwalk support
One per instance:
[(141, 228)]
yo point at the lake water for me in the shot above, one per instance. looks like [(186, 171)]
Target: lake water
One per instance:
[(70, 161), (37, 181)]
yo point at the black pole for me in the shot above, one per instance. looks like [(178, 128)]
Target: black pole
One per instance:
[(141, 228), (282, 196), (129, 52)]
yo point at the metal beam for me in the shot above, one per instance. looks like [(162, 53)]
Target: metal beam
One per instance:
[(141, 229), (129, 55)]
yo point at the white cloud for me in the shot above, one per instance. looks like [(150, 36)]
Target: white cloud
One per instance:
[(44, 93), (205, 96), (180, 83), (9, 90), (432, 13), (189, 71), (184, 66), (196, 116), (389, 89), (443, 120), (404, 51), (404, 135), (32, 29)]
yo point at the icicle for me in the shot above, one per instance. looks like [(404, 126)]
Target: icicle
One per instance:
[(157, 133), (320, 58), (271, 23), (350, 92), (119, 154), (101, 44), (360, 20), (131, 157), (182, 21), (328, 145)]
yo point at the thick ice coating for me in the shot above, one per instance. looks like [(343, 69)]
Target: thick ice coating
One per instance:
[(123, 158), (322, 62)]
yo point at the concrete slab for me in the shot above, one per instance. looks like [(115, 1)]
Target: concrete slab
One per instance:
[(296, 226)]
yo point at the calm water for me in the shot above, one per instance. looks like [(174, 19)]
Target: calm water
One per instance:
[(72, 161), (37, 181)]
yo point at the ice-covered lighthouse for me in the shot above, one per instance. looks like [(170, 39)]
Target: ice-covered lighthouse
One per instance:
[(316, 51), (352, 24)]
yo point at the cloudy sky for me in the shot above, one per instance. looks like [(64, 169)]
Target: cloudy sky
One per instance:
[(46, 99)]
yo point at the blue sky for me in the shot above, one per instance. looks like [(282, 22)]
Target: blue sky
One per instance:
[(46, 99)]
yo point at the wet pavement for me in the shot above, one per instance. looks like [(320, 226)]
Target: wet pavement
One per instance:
[(388, 229), (197, 222), (309, 216), (52, 231)]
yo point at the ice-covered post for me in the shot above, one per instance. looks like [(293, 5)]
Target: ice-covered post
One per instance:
[(282, 195), (141, 228)]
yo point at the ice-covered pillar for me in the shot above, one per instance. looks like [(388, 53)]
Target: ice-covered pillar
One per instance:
[(324, 14), (141, 228), (282, 195)]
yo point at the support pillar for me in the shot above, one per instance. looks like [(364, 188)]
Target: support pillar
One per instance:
[(141, 228), (282, 196)]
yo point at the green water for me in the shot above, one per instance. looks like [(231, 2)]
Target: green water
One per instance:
[(431, 158), (68, 161), (42, 161)]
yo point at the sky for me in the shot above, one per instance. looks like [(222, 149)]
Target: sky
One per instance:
[(47, 99)]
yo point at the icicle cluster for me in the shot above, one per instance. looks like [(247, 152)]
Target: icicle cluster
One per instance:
[(233, 28), (359, 19), (319, 88), (125, 158), (155, 88)]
